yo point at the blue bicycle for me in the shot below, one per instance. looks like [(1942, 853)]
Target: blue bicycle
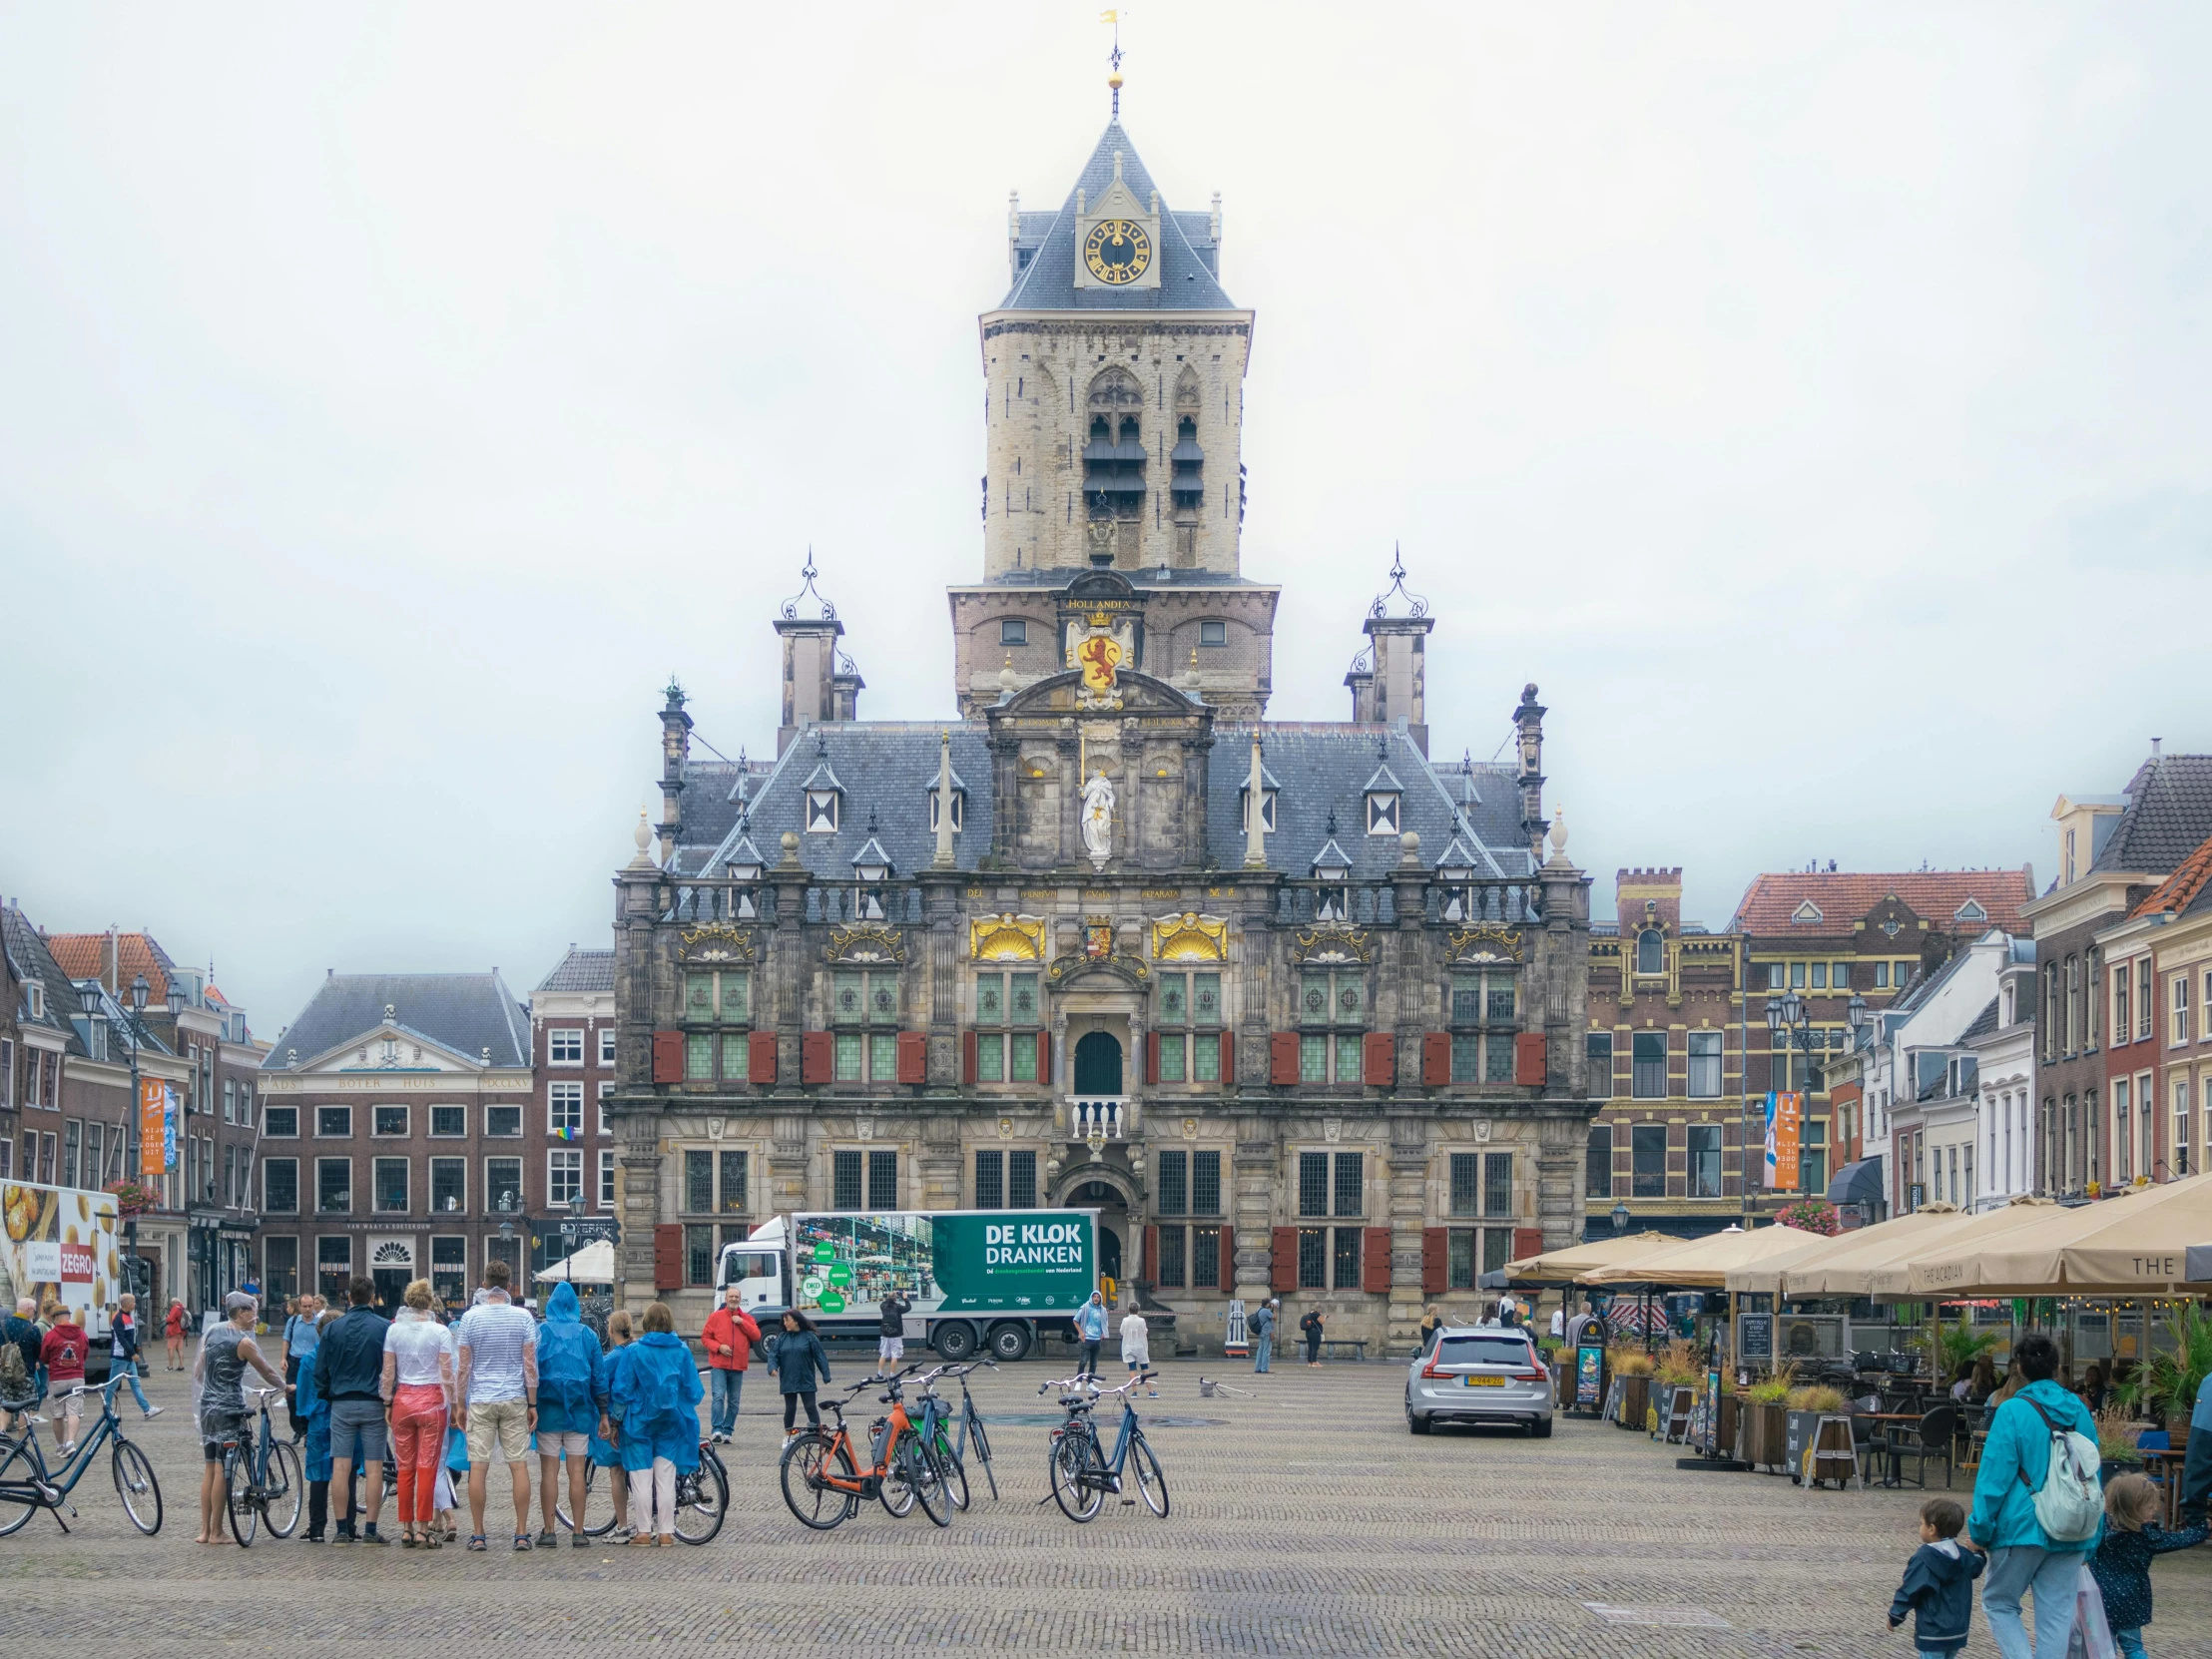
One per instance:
[(262, 1481), (1081, 1474), (27, 1485)]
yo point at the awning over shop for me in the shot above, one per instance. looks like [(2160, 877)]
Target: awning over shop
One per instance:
[(1563, 1266), (2135, 1244), (1786, 1275), (592, 1265), (1858, 1183), (1879, 1257), (1702, 1263)]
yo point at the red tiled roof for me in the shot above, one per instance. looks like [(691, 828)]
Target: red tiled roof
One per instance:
[(85, 956), (2180, 889), (1844, 896)]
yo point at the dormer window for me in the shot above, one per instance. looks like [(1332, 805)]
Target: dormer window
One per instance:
[(1382, 814), (959, 813), (1807, 913), (821, 811), (1332, 904), (1971, 911), (36, 995), (1268, 792), (871, 869), (1651, 951)]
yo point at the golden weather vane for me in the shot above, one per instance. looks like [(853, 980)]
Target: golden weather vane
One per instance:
[(1113, 18)]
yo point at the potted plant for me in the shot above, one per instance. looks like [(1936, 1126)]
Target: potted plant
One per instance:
[(1675, 1369), (1762, 1424), (2117, 1453), (1725, 1429), (1634, 1367), (2164, 1388), (1804, 1409)]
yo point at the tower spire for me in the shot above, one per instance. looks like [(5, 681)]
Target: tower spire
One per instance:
[(1113, 59)]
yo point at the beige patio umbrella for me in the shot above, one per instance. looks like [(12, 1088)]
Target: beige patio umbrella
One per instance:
[(2137, 1242), (1564, 1263), (1781, 1275), (1892, 1276), (1702, 1263)]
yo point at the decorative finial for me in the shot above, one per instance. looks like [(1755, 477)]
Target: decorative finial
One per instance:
[(1114, 80), (1415, 604), (807, 573), (643, 835), (1558, 834), (675, 692)]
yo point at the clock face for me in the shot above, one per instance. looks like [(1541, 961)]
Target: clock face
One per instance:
[(1117, 251)]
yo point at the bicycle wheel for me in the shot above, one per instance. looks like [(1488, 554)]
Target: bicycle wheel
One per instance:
[(1150, 1480), (238, 1496), (980, 1446), (809, 1463), (614, 1491), (19, 1468), (927, 1475), (136, 1487), (701, 1499), (284, 1490), (1073, 1489), (895, 1489), (955, 1472)]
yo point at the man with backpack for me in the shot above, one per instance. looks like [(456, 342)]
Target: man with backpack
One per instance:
[(2039, 1507)]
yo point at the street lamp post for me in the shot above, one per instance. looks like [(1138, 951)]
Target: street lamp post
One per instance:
[(1789, 1023)]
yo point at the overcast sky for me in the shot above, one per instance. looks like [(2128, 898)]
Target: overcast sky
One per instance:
[(1811, 400)]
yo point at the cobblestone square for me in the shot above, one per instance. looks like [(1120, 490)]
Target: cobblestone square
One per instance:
[(1304, 1520)]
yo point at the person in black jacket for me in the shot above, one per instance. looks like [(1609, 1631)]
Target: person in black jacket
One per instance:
[(798, 1356), (350, 1373), (891, 1345), (1938, 1582), (2121, 1565), (1312, 1325)]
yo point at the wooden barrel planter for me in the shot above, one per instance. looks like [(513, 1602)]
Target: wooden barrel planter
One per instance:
[(1726, 1428), (1635, 1401), (1764, 1437)]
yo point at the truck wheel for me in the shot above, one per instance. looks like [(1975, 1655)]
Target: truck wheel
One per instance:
[(954, 1341), (1009, 1342)]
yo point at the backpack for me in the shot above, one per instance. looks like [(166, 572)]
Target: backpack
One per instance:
[(15, 1379), (2070, 1502)]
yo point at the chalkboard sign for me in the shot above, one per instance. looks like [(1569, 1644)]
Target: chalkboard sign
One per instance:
[(1755, 1337), (1612, 1411)]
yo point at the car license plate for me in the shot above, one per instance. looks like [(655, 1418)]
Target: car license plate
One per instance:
[(1485, 1381)]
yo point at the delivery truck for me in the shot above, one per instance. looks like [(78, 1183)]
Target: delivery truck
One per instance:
[(59, 1244), (974, 1278)]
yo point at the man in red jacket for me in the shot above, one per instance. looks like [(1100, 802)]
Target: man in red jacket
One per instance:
[(729, 1339)]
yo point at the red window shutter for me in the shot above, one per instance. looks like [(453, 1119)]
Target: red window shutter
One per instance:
[(1283, 1059), (1434, 1255), (1283, 1257), (1379, 1060), (760, 1058), (1529, 1066), (967, 1056), (914, 1056), (1228, 1075), (668, 1256), (1527, 1242), (1044, 1057), (668, 1056), (1227, 1262), (1375, 1260), (1151, 1275), (1152, 1056), (815, 1057), (1435, 1059)]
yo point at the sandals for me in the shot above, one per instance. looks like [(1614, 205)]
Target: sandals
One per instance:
[(430, 1541), (476, 1543)]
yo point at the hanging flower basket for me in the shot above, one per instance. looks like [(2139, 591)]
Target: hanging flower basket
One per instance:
[(1812, 1215), (131, 1198)]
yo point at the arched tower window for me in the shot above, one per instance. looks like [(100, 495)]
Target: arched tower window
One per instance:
[(1114, 455), (1651, 951)]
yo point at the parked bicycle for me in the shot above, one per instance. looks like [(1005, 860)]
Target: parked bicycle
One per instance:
[(824, 1487), (701, 1499), (263, 1481), (1081, 1474), (954, 1450), (27, 1485)]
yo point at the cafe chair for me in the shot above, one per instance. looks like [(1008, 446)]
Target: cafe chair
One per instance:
[(1929, 1438)]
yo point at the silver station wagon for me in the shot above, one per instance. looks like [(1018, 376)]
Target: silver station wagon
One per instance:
[(1479, 1373)]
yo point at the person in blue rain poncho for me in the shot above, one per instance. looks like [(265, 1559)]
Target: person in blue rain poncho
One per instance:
[(313, 1413), (655, 1392), (572, 1407)]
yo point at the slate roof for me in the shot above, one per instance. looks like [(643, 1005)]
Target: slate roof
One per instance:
[(582, 971), (85, 956), (1844, 896), (28, 956), (1187, 275), (1148, 580), (2169, 814), (464, 1013), (1984, 1023)]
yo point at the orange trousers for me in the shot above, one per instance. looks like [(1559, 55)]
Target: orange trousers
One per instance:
[(417, 1439)]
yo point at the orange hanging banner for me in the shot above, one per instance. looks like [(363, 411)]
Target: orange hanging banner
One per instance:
[(1789, 1118), (152, 1126)]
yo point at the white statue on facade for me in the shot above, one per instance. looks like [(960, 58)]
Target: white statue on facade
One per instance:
[(1098, 817)]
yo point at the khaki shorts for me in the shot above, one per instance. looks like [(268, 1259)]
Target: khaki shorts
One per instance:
[(553, 1445), (504, 1423)]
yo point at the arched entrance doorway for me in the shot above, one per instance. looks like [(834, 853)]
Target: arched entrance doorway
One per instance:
[(1098, 1063), (1112, 1206)]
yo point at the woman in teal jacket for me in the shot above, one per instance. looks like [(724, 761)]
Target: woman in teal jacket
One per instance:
[(2022, 1557), (656, 1393)]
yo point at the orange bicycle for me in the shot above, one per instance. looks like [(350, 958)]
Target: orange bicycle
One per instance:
[(823, 1487)]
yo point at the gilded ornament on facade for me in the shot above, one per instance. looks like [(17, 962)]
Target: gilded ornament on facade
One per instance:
[(715, 942), (1190, 937), (1006, 938), (1485, 942), (1098, 937), (865, 944), (1325, 944)]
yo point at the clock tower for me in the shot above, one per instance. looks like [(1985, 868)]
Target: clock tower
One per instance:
[(1113, 430)]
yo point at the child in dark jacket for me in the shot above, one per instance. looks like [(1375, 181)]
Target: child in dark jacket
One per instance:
[(2121, 1564), (1938, 1582)]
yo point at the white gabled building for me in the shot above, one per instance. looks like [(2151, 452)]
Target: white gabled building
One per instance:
[(2002, 1047)]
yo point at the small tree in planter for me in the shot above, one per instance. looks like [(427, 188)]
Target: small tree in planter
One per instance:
[(1763, 1421), (1634, 1367)]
